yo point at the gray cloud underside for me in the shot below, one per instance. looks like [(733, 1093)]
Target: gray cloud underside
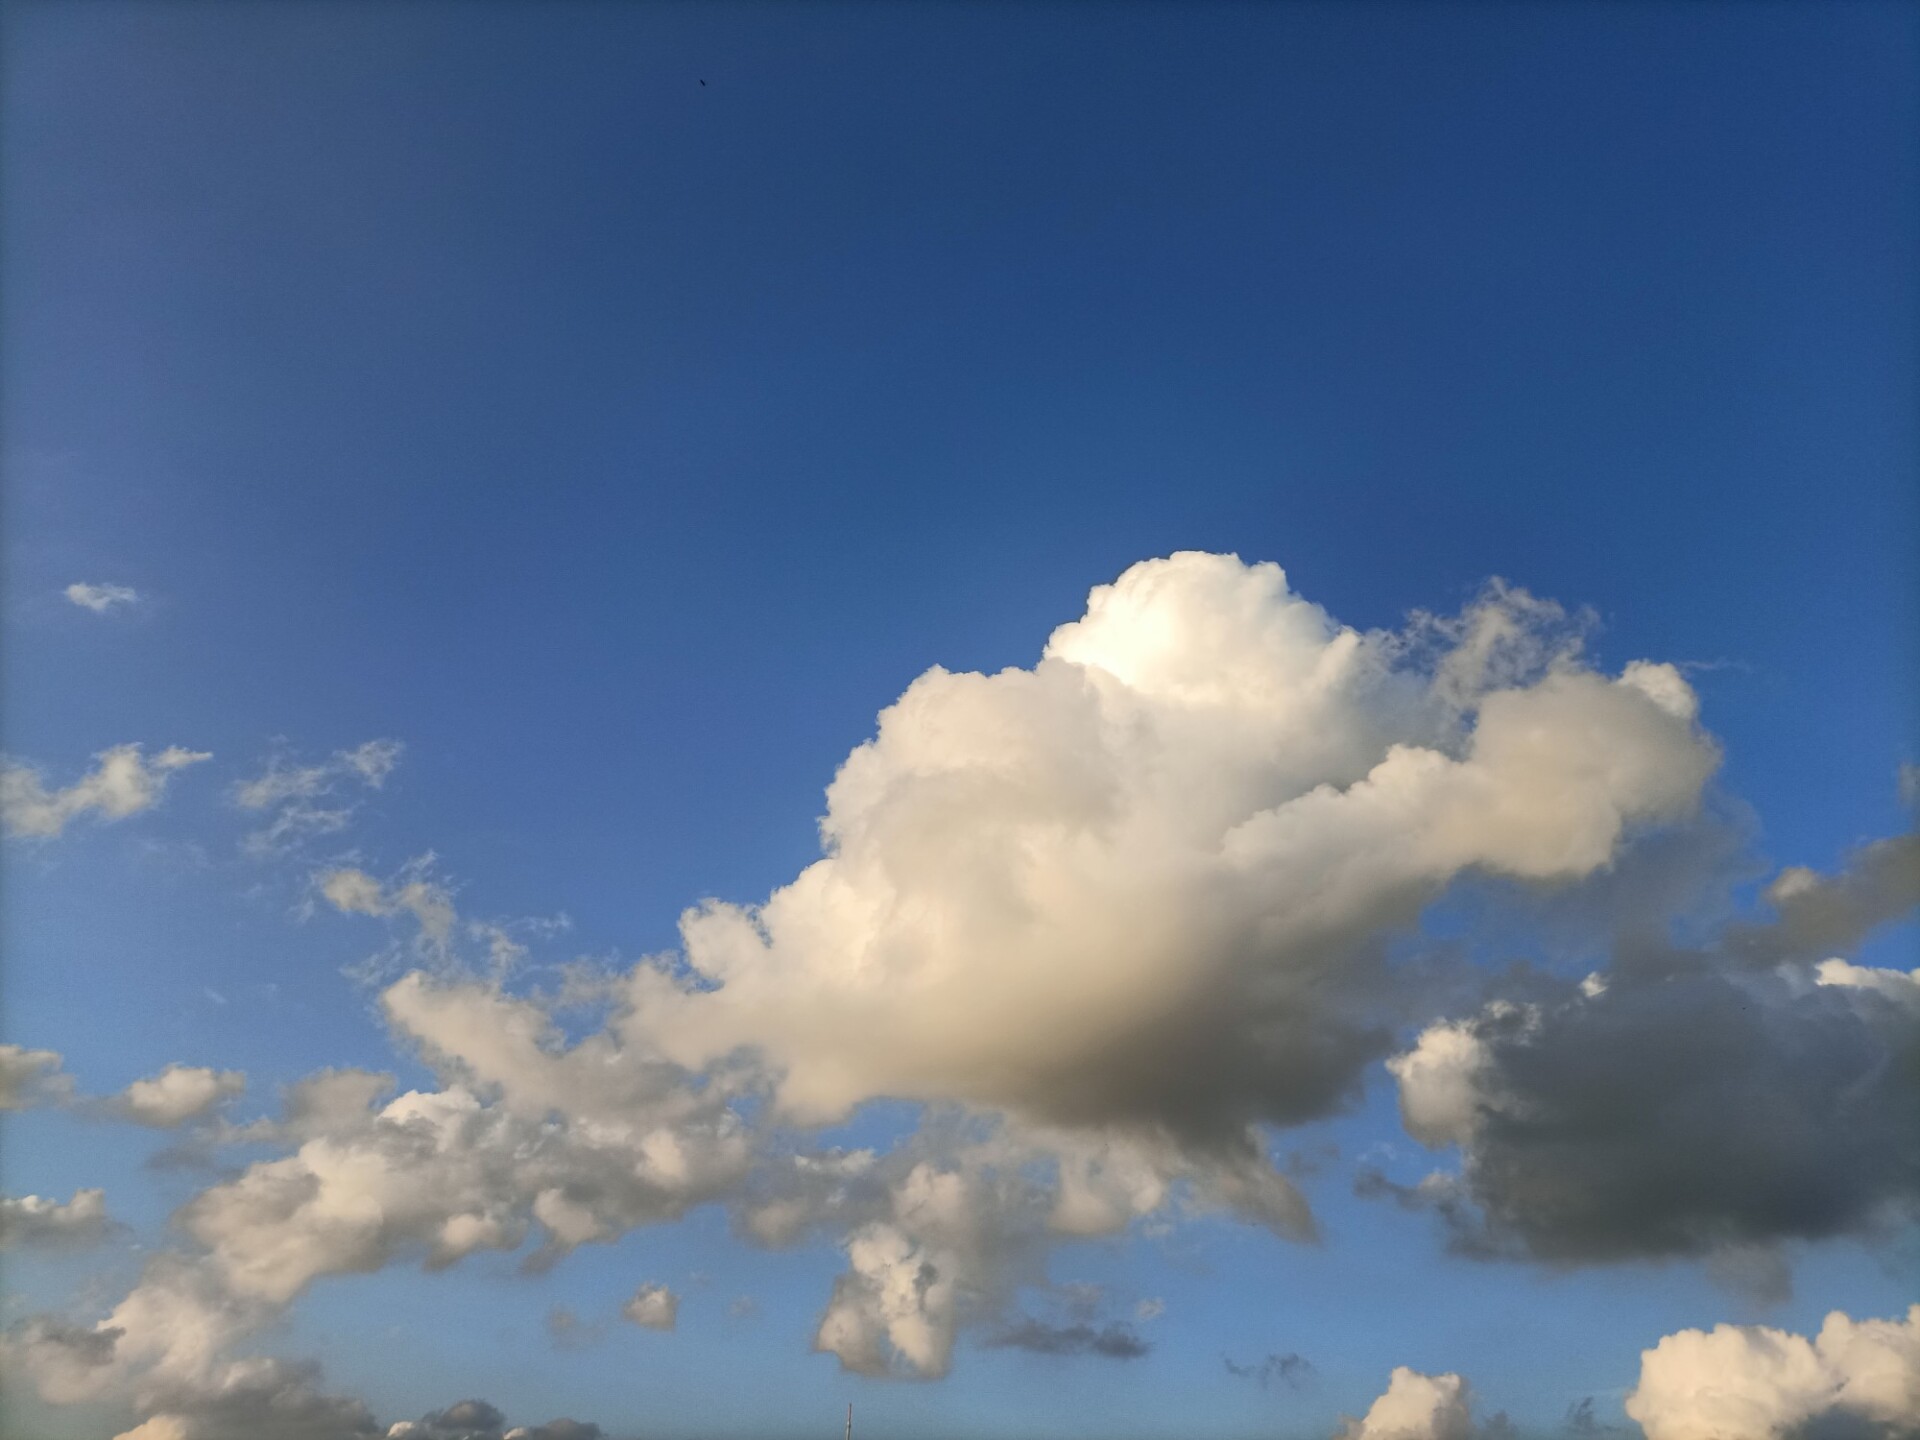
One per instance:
[(1693, 1101)]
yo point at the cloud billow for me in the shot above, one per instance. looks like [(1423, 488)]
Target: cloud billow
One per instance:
[(1147, 882)]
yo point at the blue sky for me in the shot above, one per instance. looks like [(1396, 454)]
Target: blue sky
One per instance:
[(477, 378)]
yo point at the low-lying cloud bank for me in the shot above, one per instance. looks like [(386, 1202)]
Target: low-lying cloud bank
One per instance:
[(1422, 1407)]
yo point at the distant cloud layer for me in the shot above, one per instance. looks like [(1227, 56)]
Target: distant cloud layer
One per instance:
[(1146, 883)]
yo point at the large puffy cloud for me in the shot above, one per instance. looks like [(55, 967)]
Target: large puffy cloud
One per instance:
[(1146, 882), (165, 1351), (123, 783), (1698, 1109), (1857, 1379), (413, 893), (36, 1222)]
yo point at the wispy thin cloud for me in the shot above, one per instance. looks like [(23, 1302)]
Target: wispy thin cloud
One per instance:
[(123, 782), (101, 598)]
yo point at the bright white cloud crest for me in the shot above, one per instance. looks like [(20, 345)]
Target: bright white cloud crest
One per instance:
[(1139, 882), (1858, 1378), (1416, 1407)]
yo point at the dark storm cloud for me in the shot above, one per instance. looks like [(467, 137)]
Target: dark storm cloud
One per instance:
[(1704, 1105)]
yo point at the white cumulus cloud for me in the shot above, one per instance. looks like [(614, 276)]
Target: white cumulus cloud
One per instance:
[(1146, 881), (1857, 1378), (176, 1095), (1416, 1407), (652, 1307)]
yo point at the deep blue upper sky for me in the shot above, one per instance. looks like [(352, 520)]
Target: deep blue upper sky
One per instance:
[(476, 375)]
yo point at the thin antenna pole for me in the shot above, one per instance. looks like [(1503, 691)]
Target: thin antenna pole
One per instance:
[(849, 1420)]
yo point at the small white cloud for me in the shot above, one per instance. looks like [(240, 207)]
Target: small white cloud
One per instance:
[(176, 1095), (123, 783), (373, 761), (101, 598), (32, 1222), (413, 892), (1416, 1407), (653, 1307)]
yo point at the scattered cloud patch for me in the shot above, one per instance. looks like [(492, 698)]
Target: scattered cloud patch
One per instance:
[(652, 1307), (413, 893), (34, 1223), (32, 1077), (295, 795), (178, 1094), (101, 598), (1148, 881), (122, 783)]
